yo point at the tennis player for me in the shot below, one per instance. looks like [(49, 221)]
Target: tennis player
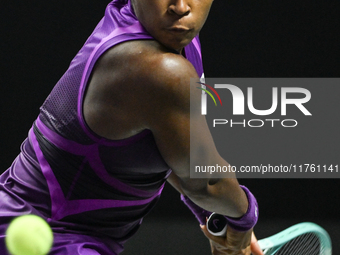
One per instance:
[(98, 155)]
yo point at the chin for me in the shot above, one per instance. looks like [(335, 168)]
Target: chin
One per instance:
[(178, 45)]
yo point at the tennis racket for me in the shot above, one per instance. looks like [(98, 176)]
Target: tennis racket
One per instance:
[(301, 239)]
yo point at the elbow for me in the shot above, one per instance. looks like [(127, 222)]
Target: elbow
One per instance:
[(203, 189), (195, 188)]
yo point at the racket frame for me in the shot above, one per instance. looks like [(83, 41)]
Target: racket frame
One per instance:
[(272, 244)]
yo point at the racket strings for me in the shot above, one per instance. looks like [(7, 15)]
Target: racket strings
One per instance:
[(307, 244)]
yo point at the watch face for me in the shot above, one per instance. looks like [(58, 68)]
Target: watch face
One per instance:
[(217, 224)]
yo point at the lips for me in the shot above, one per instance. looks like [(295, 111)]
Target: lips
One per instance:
[(179, 29)]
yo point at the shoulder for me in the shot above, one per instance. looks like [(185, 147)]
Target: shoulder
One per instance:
[(134, 83), (144, 69), (146, 59)]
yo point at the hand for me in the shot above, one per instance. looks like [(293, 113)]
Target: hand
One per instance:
[(234, 243)]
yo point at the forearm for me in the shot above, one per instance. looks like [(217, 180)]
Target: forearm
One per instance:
[(223, 196)]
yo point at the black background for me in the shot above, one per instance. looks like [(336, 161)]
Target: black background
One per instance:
[(240, 39)]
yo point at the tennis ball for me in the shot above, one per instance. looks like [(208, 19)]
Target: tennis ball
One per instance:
[(29, 235)]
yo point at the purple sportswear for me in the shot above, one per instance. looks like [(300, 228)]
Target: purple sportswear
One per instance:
[(94, 192)]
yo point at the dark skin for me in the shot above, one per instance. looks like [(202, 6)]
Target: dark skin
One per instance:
[(140, 85), (159, 103)]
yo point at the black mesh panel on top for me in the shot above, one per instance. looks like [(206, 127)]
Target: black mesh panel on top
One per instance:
[(59, 111)]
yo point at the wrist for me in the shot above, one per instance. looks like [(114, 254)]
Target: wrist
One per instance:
[(250, 218), (242, 224)]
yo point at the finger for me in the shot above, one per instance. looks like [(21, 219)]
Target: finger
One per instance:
[(254, 246), (217, 239)]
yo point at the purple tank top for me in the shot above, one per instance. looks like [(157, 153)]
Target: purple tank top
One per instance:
[(106, 185)]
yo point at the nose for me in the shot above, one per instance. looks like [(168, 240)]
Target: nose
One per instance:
[(179, 7)]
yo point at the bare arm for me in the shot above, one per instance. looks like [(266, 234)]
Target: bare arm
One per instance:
[(157, 83), (170, 125)]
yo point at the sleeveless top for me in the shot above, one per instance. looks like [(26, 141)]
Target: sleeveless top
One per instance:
[(100, 185)]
